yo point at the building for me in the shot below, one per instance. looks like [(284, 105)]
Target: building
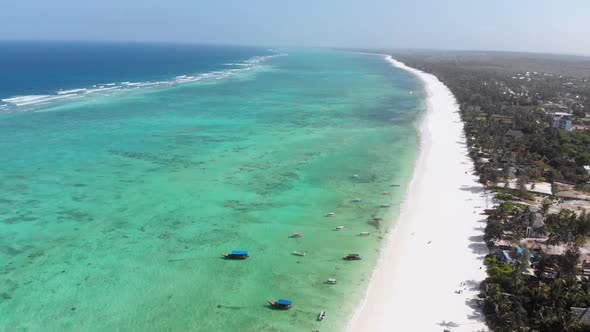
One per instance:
[(562, 122), (515, 133), (582, 314), (535, 230)]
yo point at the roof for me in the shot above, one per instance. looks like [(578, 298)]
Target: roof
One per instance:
[(239, 252), (538, 221), (284, 302), (514, 133), (582, 314)]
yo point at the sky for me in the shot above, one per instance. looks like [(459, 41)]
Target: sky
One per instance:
[(554, 26)]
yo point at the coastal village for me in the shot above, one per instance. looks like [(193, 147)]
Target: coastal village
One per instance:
[(528, 131)]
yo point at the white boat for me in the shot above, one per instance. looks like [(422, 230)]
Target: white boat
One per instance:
[(322, 315), (339, 228), (357, 200), (331, 214), (364, 233), (298, 253), (298, 234), (331, 281)]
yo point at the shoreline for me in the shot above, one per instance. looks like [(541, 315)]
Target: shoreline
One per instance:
[(425, 261)]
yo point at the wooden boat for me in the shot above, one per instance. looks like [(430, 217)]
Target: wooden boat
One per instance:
[(331, 281), (352, 257), (364, 234), (298, 253), (281, 304), (339, 228), (298, 234), (237, 254), (322, 315)]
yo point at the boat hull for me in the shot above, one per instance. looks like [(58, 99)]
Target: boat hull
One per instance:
[(278, 306), (230, 256)]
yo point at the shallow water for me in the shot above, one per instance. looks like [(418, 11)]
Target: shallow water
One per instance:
[(114, 211)]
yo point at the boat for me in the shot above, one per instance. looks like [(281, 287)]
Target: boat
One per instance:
[(385, 205), (357, 200), (395, 185), (298, 253), (331, 281), (298, 234), (377, 218), (364, 233), (281, 304), (331, 214), (237, 254), (339, 228), (386, 193), (322, 315), (352, 257)]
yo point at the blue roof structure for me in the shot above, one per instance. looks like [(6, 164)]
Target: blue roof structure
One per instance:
[(239, 252), (503, 256), (284, 302), (519, 250)]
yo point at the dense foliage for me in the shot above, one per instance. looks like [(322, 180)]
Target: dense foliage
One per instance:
[(508, 102), (517, 300), (502, 92)]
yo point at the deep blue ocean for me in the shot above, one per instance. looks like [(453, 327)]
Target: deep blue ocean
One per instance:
[(47, 69)]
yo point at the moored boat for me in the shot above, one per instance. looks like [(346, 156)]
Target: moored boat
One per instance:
[(281, 304), (352, 257), (330, 214), (322, 315), (364, 233), (331, 281), (298, 253), (339, 228), (237, 254), (298, 234)]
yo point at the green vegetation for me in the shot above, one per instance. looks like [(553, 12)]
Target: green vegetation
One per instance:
[(507, 102), (519, 301)]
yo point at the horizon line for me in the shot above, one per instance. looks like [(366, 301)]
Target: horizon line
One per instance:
[(351, 48)]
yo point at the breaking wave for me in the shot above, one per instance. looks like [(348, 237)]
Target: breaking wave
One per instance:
[(36, 102)]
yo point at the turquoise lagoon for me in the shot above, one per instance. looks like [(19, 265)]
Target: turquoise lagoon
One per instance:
[(115, 210)]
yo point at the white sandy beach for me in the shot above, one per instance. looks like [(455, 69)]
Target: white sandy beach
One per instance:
[(437, 244)]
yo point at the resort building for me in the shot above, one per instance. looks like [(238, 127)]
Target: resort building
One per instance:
[(562, 122)]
